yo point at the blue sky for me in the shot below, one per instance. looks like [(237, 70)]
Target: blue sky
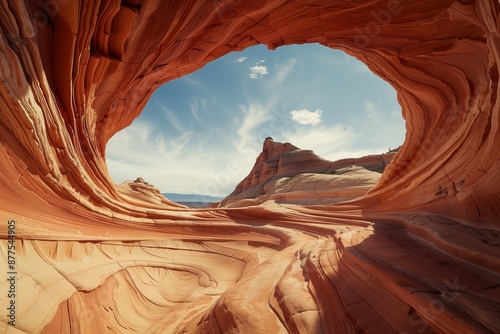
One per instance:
[(202, 133)]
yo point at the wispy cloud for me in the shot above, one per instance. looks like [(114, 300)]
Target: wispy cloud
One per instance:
[(171, 163), (170, 149), (266, 116), (381, 126), (240, 60), (257, 71), (132, 138), (283, 70), (190, 81), (373, 113), (361, 68), (210, 152), (172, 119), (254, 115), (305, 116), (324, 141), (197, 105), (142, 144)]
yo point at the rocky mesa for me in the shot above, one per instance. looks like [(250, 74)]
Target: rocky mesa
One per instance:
[(286, 174)]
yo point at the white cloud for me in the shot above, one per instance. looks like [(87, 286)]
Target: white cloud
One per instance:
[(190, 81), (172, 163), (254, 116), (176, 160), (283, 70), (305, 116), (172, 119), (381, 124), (240, 60), (360, 67), (142, 145), (324, 141), (257, 71), (197, 105)]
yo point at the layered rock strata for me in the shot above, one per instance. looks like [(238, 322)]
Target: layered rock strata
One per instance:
[(418, 254), (142, 191), (286, 174)]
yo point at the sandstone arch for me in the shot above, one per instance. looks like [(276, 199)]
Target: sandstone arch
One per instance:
[(76, 72)]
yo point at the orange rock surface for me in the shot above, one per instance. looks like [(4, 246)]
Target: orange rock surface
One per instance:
[(288, 175), (418, 254)]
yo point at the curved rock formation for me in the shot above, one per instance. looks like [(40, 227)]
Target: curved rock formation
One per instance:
[(142, 191), (418, 254)]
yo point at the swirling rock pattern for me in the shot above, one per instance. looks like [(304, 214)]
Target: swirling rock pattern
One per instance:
[(418, 254)]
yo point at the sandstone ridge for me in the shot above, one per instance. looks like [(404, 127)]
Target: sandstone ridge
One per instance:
[(287, 174), (142, 191), (418, 253)]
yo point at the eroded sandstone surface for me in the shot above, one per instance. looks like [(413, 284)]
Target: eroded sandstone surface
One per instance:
[(286, 174), (418, 254)]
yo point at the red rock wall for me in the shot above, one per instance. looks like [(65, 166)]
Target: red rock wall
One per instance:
[(73, 73), (76, 73)]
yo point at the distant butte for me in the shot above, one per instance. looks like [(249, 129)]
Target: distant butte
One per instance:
[(286, 174), (417, 253)]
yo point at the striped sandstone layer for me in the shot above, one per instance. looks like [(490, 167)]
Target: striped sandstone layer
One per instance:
[(286, 174)]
